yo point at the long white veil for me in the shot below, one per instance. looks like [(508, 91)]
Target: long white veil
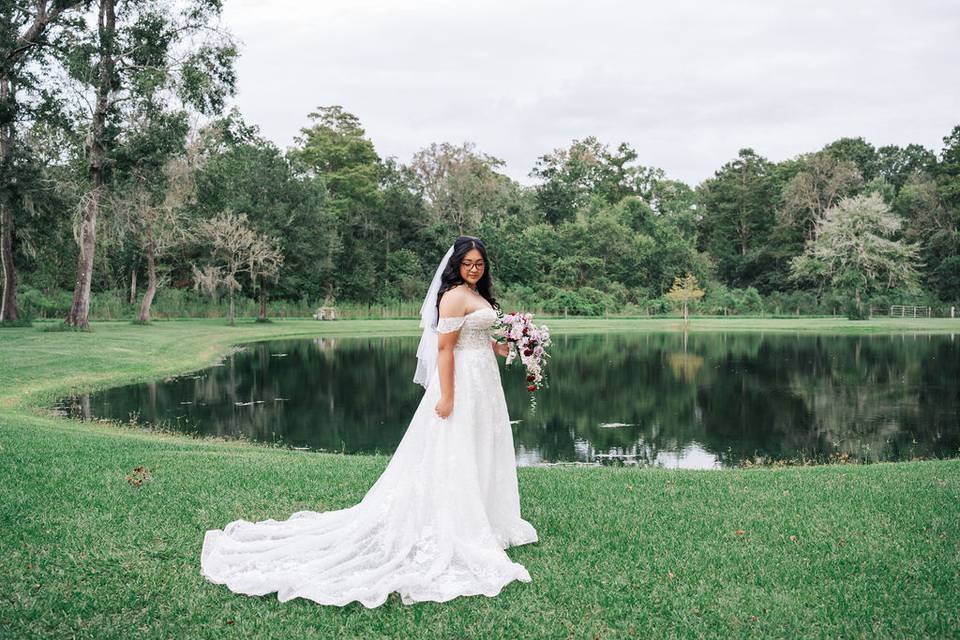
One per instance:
[(427, 350)]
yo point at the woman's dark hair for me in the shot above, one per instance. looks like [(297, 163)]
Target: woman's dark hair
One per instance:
[(451, 273)]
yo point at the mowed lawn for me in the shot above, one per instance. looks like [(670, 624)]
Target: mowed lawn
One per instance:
[(829, 551)]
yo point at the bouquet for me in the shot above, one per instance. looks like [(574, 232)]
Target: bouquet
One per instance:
[(528, 342)]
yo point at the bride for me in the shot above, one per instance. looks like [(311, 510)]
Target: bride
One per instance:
[(435, 524)]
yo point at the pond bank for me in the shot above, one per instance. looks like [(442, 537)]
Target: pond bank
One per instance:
[(834, 550), (39, 366)]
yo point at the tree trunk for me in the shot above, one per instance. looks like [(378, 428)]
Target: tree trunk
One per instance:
[(230, 312), (856, 297), (133, 285), (151, 279), (80, 311), (8, 309), (263, 301)]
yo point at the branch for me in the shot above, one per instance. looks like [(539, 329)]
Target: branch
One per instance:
[(31, 36)]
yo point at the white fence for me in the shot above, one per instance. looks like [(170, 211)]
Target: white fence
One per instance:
[(912, 311)]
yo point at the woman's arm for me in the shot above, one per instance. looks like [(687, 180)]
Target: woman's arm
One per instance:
[(445, 342), (451, 305)]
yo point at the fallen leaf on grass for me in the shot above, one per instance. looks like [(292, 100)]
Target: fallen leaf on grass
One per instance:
[(793, 538), (139, 475), (740, 532)]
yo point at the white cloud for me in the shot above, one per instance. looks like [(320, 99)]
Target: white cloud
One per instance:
[(687, 84)]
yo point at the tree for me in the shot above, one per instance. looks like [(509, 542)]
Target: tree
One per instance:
[(821, 182), (411, 237), (149, 47), (947, 171), (335, 149), (898, 164), (588, 169), (460, 184), (943, 220), (857, 152), (599, 251), (854, 250), (238, 249), (245, 173), (264, 265), (921, 204), (737, 206), (151, 212), (152, 180), (684, 291), (26, 31), (44, 194)]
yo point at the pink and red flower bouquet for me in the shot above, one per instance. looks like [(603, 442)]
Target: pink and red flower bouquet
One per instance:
[(528, 342)]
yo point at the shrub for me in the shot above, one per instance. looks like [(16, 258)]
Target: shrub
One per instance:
[(37, 304), (856, 313), (585, 301)]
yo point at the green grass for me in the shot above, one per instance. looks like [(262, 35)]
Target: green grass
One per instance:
[(623, 552)]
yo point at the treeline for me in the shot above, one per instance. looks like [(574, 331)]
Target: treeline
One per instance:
[(123, 196)]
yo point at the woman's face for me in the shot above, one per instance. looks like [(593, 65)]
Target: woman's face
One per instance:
[(472, 267)]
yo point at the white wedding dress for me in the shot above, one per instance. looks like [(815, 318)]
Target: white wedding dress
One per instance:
[(435, 524)]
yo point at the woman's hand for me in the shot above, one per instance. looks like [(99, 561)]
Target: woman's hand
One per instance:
[(444, 407), (501, 348)]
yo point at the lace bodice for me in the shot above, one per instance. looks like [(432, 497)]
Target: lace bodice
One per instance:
[(474, 328)]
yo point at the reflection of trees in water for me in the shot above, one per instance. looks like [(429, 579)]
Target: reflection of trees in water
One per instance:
[(349, 396), (775, 396), (875, 395), (685, 366), (602, 379), (735, 396), (825, 395)]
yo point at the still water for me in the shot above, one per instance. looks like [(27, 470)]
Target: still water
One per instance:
[(700, 400)]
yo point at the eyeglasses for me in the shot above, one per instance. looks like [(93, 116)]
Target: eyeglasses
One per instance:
[(470, 265)]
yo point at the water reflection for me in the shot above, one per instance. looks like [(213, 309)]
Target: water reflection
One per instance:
[(697, 400)]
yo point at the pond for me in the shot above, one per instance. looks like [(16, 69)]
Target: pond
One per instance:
[(696, 400)]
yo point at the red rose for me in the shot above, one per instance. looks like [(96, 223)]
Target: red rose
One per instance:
[(525, 331), (531, 378), (532, 387), (528, 352)]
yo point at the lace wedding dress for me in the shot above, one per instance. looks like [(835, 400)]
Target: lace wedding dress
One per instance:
[(435, 524)]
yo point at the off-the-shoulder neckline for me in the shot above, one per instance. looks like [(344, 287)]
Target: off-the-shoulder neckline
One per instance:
[(466, 314)]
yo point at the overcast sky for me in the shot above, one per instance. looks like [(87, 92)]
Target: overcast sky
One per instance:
[(686, 83)]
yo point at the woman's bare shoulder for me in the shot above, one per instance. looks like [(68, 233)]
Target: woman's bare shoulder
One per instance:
[(453, 303)]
